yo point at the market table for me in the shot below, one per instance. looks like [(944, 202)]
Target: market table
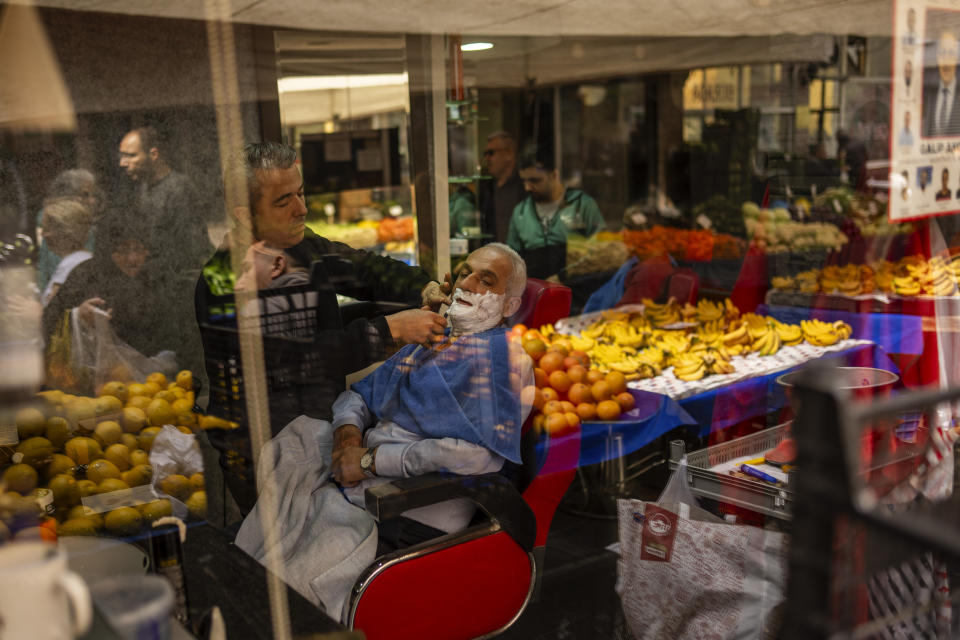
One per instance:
[(908, 328)]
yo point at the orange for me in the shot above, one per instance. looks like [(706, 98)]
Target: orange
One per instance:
[(139, 402), (594, 375), (151, 388), (551, 361), (582, 357), (551, 407), (625, 400), (136, 389), (560, 346), (577, 373), (608, 410), (158, 378), (519, 328), (532, 334), (567, 406), (617, 382), (560, 381), (572, 418), (549, 393), (587, 411), (555, 423), (579, 393), (601, 391), (538, 400), (540, 377), (159, 412), (535, 348)]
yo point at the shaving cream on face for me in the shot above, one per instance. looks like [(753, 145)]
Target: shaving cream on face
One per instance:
[(483, 312)]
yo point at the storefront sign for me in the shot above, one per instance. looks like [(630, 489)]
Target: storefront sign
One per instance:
[(925, 120)]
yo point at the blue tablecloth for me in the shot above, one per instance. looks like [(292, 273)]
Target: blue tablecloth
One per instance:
[(895, 333)]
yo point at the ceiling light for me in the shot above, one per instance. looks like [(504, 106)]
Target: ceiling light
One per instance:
[(317, 83), (476, 46)]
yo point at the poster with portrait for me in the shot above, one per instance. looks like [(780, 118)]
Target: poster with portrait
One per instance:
[(925, 110)]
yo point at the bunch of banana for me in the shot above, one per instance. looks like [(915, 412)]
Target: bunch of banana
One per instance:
[(807, 281), (783, 283), (824, 334), (868, 280), (735, 339), (609, 356), (730, 311), (906, 286), (581, 344), (661, 314), (768, 343), (594, 331), (941, 282), (717, 361), (790, 334), (547, 331), (689, 367), (672, 343), (708, 311), (688, 312), (954, 266)]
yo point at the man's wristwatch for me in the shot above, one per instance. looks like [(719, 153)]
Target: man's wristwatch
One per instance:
[(368, 462)]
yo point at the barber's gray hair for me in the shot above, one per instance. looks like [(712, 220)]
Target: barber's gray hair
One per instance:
[(69, 183), (262, 156), (517, 282), (506, 137)]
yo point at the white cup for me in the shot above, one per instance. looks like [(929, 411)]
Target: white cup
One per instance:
[(40, 598)]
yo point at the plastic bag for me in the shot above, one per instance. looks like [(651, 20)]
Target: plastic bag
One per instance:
[(98, 356), (173, 452), (683, 573)]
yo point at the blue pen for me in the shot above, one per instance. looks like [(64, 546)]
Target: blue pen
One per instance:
[(759, 475)]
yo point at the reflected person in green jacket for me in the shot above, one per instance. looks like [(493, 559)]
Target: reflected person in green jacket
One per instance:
[(541, 222)]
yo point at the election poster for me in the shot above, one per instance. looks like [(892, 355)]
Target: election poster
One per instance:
[(925, 110)]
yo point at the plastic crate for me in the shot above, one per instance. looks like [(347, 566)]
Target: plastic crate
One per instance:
[(755, 495)]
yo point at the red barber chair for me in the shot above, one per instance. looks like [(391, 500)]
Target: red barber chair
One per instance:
[(477, 582), (543, 303)]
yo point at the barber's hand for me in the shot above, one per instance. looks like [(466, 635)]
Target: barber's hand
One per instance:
[(346, 466), (347, 435), (435, 294), (88, 308), (417, 326)]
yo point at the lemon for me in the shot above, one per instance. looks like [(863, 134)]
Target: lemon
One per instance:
[(129, 441), (108, 432), (57, 431), (59, 464), (197, 504), (181, 405), (139, 402), (123, 521), (151, 388), (187, 419), (133, 419), (78, 527), (21, 478), (138, 475), (119, 455), (177, 391), (169, 396), (100, 470), (139, 456), (146, 437), (185, 380), (176, 485), (136, 389), (30, 423), (112, 484), (196, 481), (158, 379), (87, 488), (65, 490), (116, 389), (53, 396), (81, 412), (82, 449), (36, 451), (159, 412), (108, 406), (156, 509), (81, 511)]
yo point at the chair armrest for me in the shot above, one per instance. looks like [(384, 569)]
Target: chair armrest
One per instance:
[(493, 493)]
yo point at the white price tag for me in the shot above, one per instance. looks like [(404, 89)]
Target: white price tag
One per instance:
[(8, 434), (638, 218), (704, 221)]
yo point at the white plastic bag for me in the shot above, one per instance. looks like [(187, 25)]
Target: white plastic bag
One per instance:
[(173, 452), (683, 573), (98, 355)]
